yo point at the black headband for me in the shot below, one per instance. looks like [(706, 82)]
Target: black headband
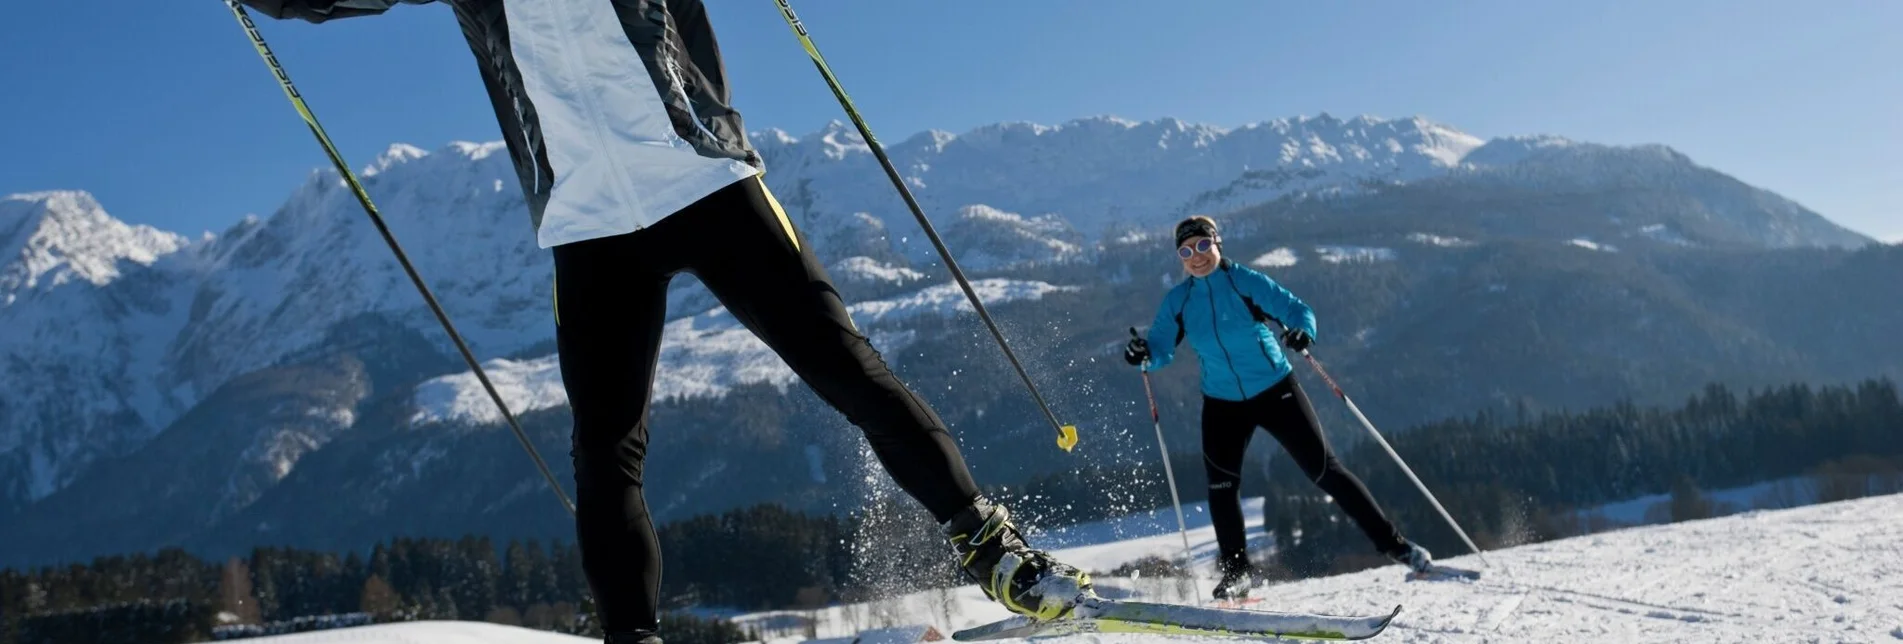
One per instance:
[(1194, 228)]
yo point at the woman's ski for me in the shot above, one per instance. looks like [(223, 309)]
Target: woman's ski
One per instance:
[(1099, 615)]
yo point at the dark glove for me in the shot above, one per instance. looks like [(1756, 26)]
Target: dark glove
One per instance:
[(1297, 340), (1137, 351)]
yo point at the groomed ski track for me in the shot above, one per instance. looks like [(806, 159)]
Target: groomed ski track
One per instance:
[(1823, 573)]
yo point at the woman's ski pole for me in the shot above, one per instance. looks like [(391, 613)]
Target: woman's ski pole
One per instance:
[(1189, 559)]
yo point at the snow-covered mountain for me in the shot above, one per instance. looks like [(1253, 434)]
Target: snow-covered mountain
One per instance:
[(112, 332), (86, 303), (1100, 172), (1706, 204), (51, 238)]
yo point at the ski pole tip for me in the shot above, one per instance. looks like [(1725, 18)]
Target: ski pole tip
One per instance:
[(1067, 437)]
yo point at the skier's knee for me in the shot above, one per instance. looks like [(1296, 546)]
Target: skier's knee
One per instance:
[(1223, 482), (604, 469), (1318, 472)]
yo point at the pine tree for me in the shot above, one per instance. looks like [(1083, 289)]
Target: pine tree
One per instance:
[(378, 599), (235, 596)]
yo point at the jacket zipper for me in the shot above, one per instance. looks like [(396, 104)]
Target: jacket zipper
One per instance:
[(592, 104), (1216, 331)]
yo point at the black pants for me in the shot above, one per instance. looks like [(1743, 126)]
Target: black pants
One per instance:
[(610, 304), (1285, 411)]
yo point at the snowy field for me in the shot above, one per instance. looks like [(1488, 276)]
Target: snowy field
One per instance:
[(1823, 573)]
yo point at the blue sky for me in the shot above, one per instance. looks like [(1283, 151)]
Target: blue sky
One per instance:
[(170, 118)]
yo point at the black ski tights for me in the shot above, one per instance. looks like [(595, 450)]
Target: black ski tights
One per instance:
[(1284, 410), (610, 304)]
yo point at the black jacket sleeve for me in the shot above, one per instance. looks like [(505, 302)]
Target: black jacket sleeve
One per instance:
[(711, 97), (322, 10)]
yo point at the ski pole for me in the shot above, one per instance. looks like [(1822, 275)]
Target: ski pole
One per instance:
[(1066, 434), (1317, 365), (1189, 559), (363, 199)]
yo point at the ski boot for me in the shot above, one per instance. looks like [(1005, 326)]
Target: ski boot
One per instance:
[(993, 554), (1416, 558), (1238, 577), (632, 637)]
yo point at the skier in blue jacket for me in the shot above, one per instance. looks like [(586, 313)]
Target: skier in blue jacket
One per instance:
[(1222, 309)]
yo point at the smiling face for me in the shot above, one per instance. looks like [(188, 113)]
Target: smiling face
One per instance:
[(1203, 255)]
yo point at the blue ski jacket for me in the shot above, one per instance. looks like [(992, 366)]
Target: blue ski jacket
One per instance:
[(1224, 318)]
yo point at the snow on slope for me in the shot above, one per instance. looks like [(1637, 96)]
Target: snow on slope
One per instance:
[(1437, 240), (86, 304), (1592, 245), (50, 238), (1094, 172), (1280, 257), (1824, 573), (1721, 206), (1364, 254), (128, 327), (459, 214), (1663, 233), (701, 355), (862, 268)]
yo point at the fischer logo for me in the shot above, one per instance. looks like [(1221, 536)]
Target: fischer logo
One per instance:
[(798, 27)]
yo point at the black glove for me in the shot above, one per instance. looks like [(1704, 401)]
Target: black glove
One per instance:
[(1297, 340), (1137, 350)]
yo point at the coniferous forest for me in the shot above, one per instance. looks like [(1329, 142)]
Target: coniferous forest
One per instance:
[(1507, 480)]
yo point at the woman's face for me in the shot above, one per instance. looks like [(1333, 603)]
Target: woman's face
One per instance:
[(1200, 255)]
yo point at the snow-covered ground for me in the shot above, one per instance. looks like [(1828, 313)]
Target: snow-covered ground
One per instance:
[(1822, 573)]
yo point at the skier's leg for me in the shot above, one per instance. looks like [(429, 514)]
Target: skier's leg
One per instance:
[(771, 281), (1227, 427), (608, 318), (1286, 412), (782, 293)]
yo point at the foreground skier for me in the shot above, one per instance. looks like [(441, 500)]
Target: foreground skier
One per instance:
[(1247, 383), (636, 168)]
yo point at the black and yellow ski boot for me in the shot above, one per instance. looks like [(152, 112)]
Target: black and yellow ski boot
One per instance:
[(994, 555)]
